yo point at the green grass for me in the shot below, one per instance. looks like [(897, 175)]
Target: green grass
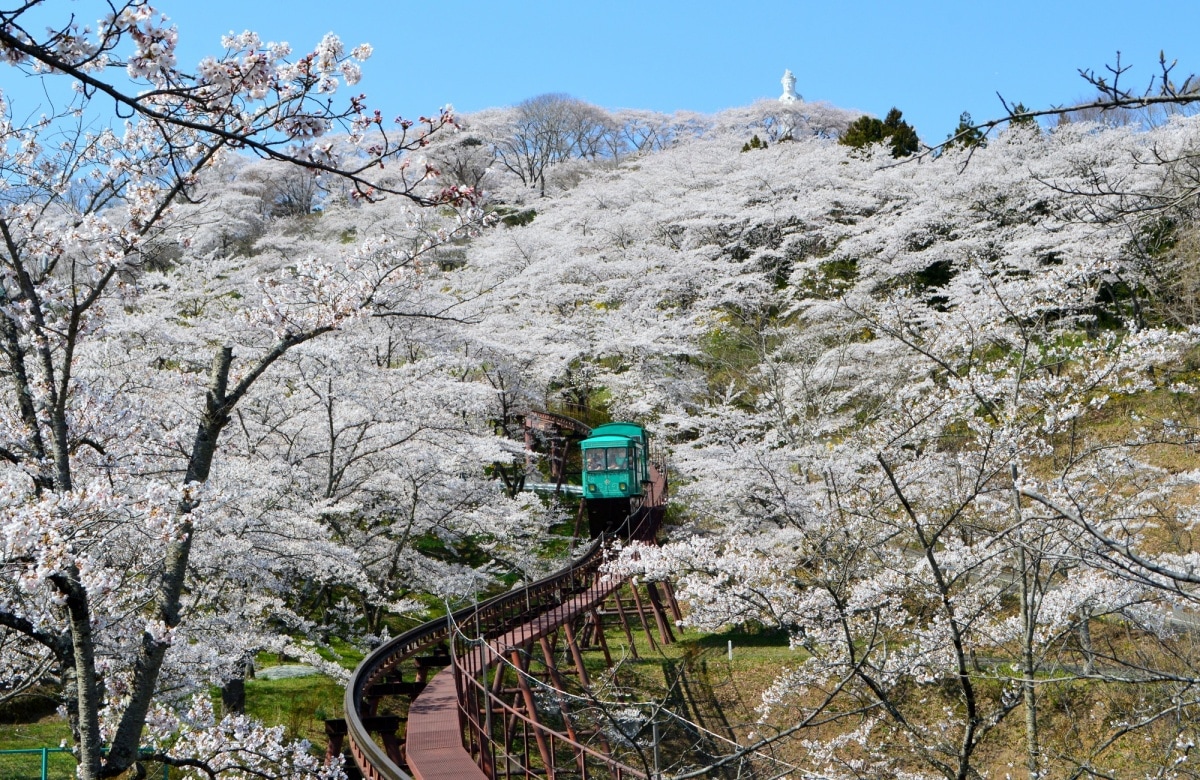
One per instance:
[(348, 656), (28, 766), (339, 651), (299, 704), (47, 732)]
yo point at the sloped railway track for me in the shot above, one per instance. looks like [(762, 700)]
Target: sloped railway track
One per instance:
[(480, 715)]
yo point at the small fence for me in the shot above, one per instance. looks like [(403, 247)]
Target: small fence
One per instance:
[(52, 763), (55, 763)]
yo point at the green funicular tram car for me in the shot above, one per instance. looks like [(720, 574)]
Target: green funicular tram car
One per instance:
[(616, 474)]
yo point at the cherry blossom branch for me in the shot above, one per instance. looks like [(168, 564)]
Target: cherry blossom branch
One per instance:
[(1122, 548), (23, 45), (26, 627), (1113, 96)]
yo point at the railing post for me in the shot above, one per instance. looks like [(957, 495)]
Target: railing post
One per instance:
[(483, 702), (45, 763), (654, 737)]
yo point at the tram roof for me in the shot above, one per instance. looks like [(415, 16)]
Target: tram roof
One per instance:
[(629, 429), (595, 442)]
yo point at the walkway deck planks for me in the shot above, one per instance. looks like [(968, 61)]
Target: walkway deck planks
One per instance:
[(434, 745)]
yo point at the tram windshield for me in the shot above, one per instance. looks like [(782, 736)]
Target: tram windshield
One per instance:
[(607, 459)]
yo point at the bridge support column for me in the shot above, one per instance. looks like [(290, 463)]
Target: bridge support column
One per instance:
[(672, 602), (601, 639), (561, 685), (519, 660), (625, 625), (577, 656), (637, 601), (660, 615)]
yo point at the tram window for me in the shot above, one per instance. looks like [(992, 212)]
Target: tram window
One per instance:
[(595, 460), (618, 459)]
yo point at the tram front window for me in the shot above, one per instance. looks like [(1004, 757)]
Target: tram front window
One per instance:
[(618, 459), (595, 460)]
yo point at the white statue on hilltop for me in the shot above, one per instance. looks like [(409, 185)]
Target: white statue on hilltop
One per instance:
[(789, 88)]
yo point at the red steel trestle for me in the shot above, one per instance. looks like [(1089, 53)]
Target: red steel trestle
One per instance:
[(505, 706)]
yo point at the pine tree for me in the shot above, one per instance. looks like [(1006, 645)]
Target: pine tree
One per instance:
[(893, 130), (966, 135), (902, 135), (754, 143), (1022, 121)]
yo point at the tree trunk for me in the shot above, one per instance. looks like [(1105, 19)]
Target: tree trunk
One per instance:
[(233, 695), (128, 735), (1085, 641), (79, 676), (1028, 662), (1028, 671)]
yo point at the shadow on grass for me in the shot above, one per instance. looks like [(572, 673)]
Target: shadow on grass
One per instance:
[(741, 636)]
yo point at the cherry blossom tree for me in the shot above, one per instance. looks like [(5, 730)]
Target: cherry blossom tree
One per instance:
[(926, 417), (126, 363)]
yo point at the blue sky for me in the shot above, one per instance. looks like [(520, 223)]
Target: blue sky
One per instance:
[(933, 60)]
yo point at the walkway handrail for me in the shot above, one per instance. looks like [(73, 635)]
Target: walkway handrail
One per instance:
[(545, 420), (466, 668)]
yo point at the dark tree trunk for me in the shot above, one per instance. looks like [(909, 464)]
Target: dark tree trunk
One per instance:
[(233, 696)]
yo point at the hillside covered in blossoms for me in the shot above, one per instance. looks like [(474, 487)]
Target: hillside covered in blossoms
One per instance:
[(929, 412)]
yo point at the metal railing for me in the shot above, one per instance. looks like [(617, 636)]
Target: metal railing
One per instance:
[(485, 713), (46, 763)]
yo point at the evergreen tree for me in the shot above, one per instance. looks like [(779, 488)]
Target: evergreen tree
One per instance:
[(1022, 121), (893, 130), (902, 136), (966, 135), (754, 143)]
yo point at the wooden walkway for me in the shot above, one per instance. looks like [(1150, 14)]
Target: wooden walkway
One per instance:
[(434, 745), (547, 623)]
